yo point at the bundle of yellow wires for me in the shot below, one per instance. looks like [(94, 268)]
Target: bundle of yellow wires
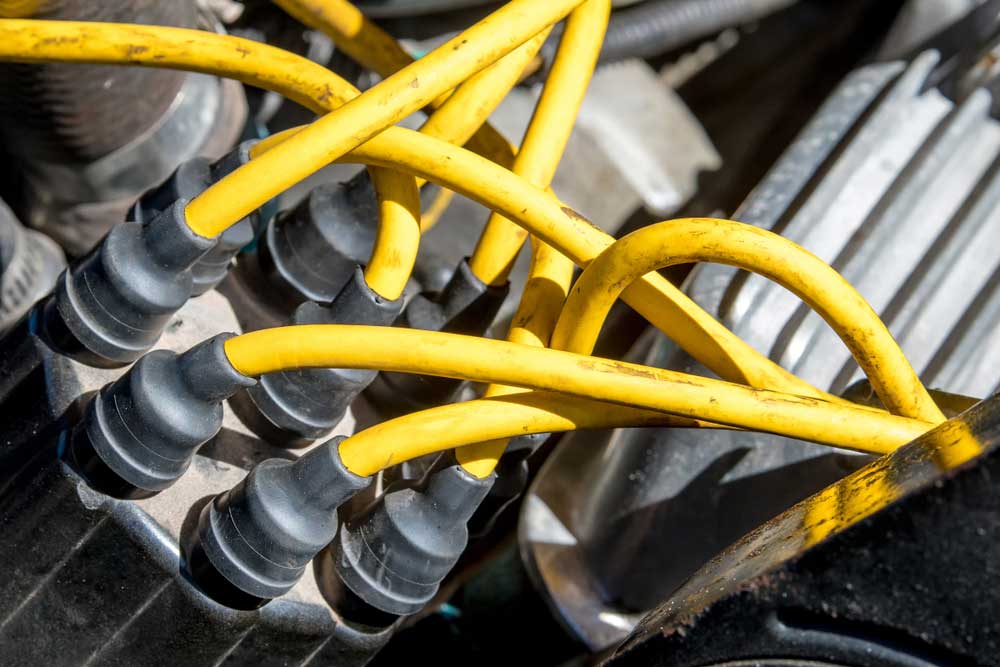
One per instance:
[(543, 378)]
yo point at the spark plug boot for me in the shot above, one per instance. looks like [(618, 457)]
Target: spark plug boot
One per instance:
[(394, 556), (294, 408), (110, 307), (254, 541), (311, 251), (467, 306), (188, 181), (139, 434)]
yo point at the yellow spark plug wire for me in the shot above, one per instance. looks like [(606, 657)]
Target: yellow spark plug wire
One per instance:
[(255, 64), (747, 247), (498, 418), (247, 188), (450, 166), (541, 150), (500, 362), (377, 50), (547, 134), (395, 250), (548, 283)]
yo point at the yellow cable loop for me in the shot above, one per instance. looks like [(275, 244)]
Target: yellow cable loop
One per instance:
[(544, 216), (317, 88), (747, 247), (497, 417), (250, 186), (493, 361), (549, 279), (547, 133)]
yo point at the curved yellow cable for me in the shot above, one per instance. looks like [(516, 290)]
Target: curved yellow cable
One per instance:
[(363, 41), (499, 362), (249, 187), (747, 247), (544, 216), (299, 79), (397, 236), (549, 279), (547, 133), (459, 122), (396, 148), (500, 418), (539, 156)]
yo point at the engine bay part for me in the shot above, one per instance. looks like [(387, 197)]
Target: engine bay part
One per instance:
[(269, 396)]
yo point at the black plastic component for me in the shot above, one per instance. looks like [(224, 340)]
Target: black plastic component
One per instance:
[(139, 434), (310, 252), (254, 542), (188, 181), (466, 305), (293, 408), (394, 555), (110, 306)]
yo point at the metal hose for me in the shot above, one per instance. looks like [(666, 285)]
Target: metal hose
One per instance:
[(78, 113), (656, 26)]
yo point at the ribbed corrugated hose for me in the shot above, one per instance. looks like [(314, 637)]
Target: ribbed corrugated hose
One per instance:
[(656, 26)]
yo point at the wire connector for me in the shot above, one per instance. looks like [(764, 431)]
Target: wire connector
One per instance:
[(310, 252), (254, 541), (294, 408), (188, 181), (139, 434), (394, 556), (110, 307)]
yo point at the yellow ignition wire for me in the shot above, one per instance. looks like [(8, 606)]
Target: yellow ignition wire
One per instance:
[(498, 246), (250, 186), (317, 88), (461, 117), (377, 50), (363, 41), (394, 253), (500, 418), (397, 236), (298, 79), (549, 279), (544, 216), (492, 361), (547, 133), (747, 247), (467, 107)]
